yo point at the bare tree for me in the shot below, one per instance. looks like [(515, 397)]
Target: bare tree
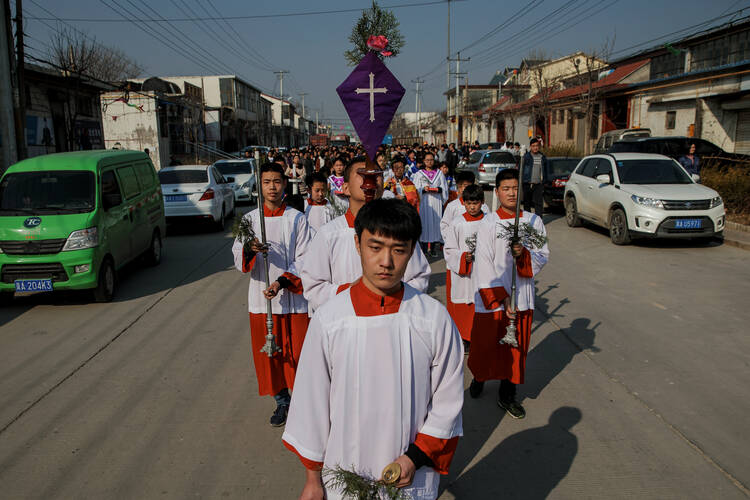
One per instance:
[(81, 55), (546, 84), (83, 60), (588, 68)]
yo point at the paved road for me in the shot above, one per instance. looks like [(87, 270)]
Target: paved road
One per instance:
[(636, 384)]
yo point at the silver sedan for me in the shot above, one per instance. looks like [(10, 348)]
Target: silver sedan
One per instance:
[(486, 163)]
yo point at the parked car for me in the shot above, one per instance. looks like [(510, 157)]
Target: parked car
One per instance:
[(486, 163), (608, 138), (243, 173), (555, 177), (197, 191), (69, 221), (641, 195), (675, 147)]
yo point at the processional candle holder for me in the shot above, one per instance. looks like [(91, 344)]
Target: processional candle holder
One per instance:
[(370, 176)]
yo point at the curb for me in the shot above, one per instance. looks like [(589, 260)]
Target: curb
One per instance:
[(734, 226), (735, 243)]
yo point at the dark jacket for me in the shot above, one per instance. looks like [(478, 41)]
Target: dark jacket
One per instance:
[(692, 166), (528, 164)]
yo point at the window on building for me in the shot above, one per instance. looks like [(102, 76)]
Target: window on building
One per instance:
[(561, 116), (669, 64), (671, 119), (84, 106), (728, 49), (569, 128), (225, 89)]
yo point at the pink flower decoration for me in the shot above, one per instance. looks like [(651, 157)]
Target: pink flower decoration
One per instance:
[(377, 42), (386, 53)]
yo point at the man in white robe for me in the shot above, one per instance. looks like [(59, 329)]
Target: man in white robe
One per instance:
[(332, 264), (381, 373), (433, 192)]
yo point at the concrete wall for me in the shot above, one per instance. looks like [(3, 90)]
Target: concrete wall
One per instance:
[(134, 129)]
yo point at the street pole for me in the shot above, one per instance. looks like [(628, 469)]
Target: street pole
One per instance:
[(417, 106), (302, 95), (21, 89), (458, 88), (281, 98), (448, 56)]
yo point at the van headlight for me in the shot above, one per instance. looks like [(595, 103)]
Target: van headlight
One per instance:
[(647, 202), (715, 202), (84, 238)]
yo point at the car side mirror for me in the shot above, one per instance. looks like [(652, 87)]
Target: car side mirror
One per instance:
[(111, 201), (604, 179), (230, 179)]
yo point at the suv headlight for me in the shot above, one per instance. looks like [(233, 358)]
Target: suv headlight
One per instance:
[(246, 185), (647, 202), (84, 238), (715, 202)]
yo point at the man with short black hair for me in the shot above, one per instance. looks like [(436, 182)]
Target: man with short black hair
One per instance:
[(534, 166), (381, 372)]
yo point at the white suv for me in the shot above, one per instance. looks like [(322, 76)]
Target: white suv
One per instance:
[(641, 195)]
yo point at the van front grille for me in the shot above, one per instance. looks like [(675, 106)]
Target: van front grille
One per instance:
[(33, 247), (12, 272)]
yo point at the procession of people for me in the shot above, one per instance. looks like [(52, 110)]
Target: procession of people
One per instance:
[(365, 368)]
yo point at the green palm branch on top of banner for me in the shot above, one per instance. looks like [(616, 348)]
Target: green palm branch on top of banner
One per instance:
[(376, 30)]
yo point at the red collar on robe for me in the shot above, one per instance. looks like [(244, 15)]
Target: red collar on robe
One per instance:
[(368, 303), (470, 218), (349, 218), (313, 204), (505, 215), (267, 212), (461, 200)]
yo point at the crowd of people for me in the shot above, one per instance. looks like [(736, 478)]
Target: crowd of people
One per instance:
[(370, 368)]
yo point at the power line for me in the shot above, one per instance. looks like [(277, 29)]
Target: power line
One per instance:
[(256, 16)]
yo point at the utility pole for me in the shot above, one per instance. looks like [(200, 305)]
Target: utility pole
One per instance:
[(281, 91), (20, 94), (417, 107), (448, 55), (456, 108)]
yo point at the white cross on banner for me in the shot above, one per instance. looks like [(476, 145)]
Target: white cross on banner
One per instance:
[(372, 91)]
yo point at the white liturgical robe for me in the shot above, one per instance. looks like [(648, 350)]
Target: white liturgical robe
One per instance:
[(288, 236), (318, 214), (431, 203), (332, 262), (455, 209), (377, 374)]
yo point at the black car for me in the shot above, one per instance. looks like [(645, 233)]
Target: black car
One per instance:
[(675, 147), (555, 178)]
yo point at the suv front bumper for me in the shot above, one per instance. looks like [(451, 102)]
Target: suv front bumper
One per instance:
[(658, 223)]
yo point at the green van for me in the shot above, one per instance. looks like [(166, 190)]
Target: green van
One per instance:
[(69, 221)]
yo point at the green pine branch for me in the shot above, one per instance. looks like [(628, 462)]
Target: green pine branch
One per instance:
[(374, 21)]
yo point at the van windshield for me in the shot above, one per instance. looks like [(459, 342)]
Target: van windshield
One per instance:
[(53, 192)]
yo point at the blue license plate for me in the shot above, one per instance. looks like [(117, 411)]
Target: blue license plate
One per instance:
[(688, 223), (43, 285), (175, 197)]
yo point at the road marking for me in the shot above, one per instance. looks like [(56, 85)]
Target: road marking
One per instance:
[(656, 304)]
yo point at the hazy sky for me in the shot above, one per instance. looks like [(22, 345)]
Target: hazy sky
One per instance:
[(311, 46)]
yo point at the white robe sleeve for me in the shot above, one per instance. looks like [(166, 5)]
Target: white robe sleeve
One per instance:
[(308, 423), (486, 273), (448, 215), (304, 235), (539, 256), (418, 271), (237, 248), (317, 280), (447, 377), (451, 249)]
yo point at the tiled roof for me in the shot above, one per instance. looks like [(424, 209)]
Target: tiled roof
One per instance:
[(610, 80)]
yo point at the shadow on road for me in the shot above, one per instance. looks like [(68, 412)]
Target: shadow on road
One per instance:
[(436, 280), (527, 465)]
